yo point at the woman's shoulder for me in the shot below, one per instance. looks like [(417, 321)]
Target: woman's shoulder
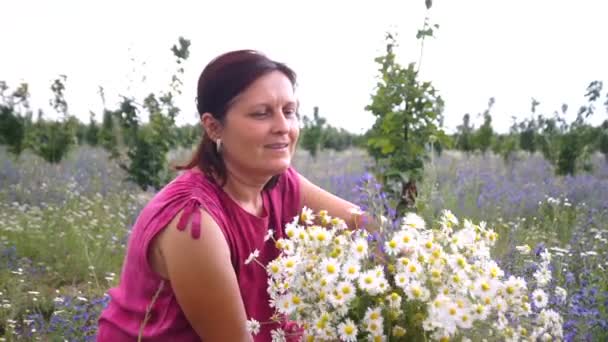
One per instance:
[(188, 188)]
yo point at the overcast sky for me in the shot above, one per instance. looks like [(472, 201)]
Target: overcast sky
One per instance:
[(511, 50)]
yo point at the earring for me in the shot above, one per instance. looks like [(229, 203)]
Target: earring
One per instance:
[(218, 145)]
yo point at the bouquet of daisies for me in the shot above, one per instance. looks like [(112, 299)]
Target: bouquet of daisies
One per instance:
[(410, 283)]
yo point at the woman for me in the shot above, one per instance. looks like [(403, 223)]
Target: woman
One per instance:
[(184, 277)]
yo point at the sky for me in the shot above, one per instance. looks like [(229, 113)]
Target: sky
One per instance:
[(511, 50)]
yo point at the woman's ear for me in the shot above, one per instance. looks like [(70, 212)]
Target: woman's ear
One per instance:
[(212, 126)]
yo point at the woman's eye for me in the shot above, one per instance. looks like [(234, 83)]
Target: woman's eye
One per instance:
[(290, 112), (259, 115)]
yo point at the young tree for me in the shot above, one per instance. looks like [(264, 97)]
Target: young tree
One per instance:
[(312, 136), (408, 114)]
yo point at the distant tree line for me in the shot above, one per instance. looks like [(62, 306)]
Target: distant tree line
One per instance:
[(568, 146), (409, 124), (139, 148)]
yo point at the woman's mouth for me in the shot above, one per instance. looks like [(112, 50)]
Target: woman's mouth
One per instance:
[(277, 146)]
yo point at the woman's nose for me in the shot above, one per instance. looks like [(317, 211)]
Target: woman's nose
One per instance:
[(282, 124)]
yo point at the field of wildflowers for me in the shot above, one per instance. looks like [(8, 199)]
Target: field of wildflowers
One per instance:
[(63, 230)]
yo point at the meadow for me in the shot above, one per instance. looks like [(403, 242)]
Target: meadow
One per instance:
[(64, 228)]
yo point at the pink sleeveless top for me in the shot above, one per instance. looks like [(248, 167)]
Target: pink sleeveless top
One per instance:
[(122, 318)]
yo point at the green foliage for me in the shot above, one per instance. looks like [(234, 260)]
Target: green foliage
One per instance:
[(146, 160), (567, 146), (147, 147), (107, 134), (92, 132), (187, 135), (52, 139), (338, 139), (312, 135), (485, 133), (603, 140), (408, 116), (464, 135), (14, 112)]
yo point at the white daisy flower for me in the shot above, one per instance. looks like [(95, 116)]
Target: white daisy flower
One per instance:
[(330, 267), (484, 287), (523, 249), (514, 286), (278, 335), (417, 291), (347, 290), (347, 331), (274, 268), (458, 262), (542, 276), (351, 269), (254, 255), (392, 246), (373, 314), (320, 236), (401, 280), (464, 319), (394, 300), (413, 221), (540, 298), (360, 248), (408, 238), (253, 326), (448, 218), (368, 281), (560, 294), (307, 216), (284, 304), (269, 235)]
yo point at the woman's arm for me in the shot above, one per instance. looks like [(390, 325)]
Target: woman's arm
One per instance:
[(203, 280)]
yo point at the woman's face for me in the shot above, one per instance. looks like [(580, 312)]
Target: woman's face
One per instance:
[(261, 127)]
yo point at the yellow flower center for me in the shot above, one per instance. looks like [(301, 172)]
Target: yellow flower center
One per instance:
[(461, 262), (485, 286)]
